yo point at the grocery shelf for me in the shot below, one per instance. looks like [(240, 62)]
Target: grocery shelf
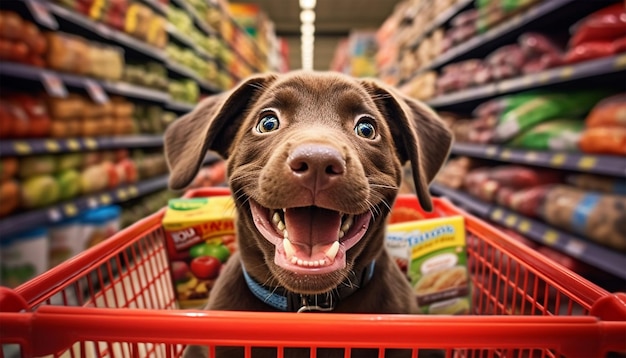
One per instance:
[(14, 224), (174, 33), (55, 82), (603, 66), (462, 199), (179, 107), (198, 21), (124, 40), (156, 6), (189, 73), (22, 147), (575, 161), (496, 35), (585, 251), (440, 20)]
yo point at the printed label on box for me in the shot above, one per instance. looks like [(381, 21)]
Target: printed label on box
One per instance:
[(437, 263)]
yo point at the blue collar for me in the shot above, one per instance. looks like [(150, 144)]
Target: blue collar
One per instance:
[(287, 301)]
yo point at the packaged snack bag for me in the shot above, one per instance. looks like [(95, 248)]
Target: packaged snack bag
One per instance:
[(609, 112), (557, 134), (604, 140)]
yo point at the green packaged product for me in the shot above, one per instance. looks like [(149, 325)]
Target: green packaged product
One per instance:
[(572, 104), (557, 134)]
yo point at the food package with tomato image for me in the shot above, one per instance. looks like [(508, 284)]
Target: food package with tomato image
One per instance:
[(200, 237)]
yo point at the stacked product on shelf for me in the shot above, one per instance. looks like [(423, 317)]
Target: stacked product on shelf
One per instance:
[(38, 181), (599, 35), (537, 112), (88, 88)]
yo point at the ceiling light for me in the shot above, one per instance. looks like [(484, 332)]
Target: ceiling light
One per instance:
[(307, 4), (307, 29), (307, 16)]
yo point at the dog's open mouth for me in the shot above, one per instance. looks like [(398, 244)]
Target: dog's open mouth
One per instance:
[(310, 240)]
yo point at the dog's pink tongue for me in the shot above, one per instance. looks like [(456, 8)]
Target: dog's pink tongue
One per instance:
[(312, 230)]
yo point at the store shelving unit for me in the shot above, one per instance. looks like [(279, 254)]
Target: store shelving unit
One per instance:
[(586, 251), (54, 17), (609, 66), (72, 208), (57, 83), (125, 41), (20, 147), (574, 161), (602, 72)]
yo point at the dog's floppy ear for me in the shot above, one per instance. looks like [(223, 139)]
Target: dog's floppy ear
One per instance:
[(212, 125), (420, 135)]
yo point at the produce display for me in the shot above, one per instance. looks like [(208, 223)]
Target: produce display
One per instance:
[(131, 17), (38, 181), (21, 41), (206, 70), (150, 74), (185, 90)]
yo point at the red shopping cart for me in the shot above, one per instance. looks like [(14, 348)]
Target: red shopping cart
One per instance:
[(117, 300)]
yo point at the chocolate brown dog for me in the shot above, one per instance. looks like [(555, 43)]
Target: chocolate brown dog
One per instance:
[(314, 164)]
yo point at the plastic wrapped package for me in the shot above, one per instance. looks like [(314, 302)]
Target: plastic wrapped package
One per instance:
[(609, 112), (605, 24), (604, 140), (557, 134), (23, 256), (598, 183), (599, 217), (545, 107)]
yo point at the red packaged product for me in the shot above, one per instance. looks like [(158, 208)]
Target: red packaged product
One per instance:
[(603, 25), (536, 44), (619, 45), (589, 51)]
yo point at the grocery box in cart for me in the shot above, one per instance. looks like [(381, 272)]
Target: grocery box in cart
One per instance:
[(200, 237), (523, 305)]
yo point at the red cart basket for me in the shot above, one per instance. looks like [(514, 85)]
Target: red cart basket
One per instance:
[(117, 300)]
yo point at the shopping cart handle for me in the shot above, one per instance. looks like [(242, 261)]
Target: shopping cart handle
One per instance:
[(610, 307), (10, 301)]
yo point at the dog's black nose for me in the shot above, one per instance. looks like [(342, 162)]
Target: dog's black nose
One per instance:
[(316, 166)]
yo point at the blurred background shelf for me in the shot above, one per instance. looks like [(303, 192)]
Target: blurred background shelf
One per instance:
[(15, 223), (604, 67), (70, 20), (589, 163), (21, 147), (588, 252), (441, 20), (56, 83)]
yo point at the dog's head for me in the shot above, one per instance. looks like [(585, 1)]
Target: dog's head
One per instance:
[(314, 164)]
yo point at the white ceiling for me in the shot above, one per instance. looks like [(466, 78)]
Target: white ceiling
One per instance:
[(334, 20)]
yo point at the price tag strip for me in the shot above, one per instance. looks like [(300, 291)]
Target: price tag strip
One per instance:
[(53, 84), (42, 15)]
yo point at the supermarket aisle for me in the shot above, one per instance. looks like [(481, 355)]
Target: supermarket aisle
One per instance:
[(535, 95), (534, 92), (87, 89)]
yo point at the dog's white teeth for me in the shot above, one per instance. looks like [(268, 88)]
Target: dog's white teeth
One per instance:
[(294, 260), (281, 226), (347, 223), (276, 217), (290, 251), (341, 234), (332, 251)]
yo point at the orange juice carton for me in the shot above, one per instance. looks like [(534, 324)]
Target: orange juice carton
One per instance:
[(435, 250), (200, 237)]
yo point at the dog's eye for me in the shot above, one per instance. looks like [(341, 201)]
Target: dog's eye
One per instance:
[(364, 128), (268, 123)]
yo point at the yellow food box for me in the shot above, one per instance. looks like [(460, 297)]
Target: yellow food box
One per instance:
[(437, 262), (200, 237)]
